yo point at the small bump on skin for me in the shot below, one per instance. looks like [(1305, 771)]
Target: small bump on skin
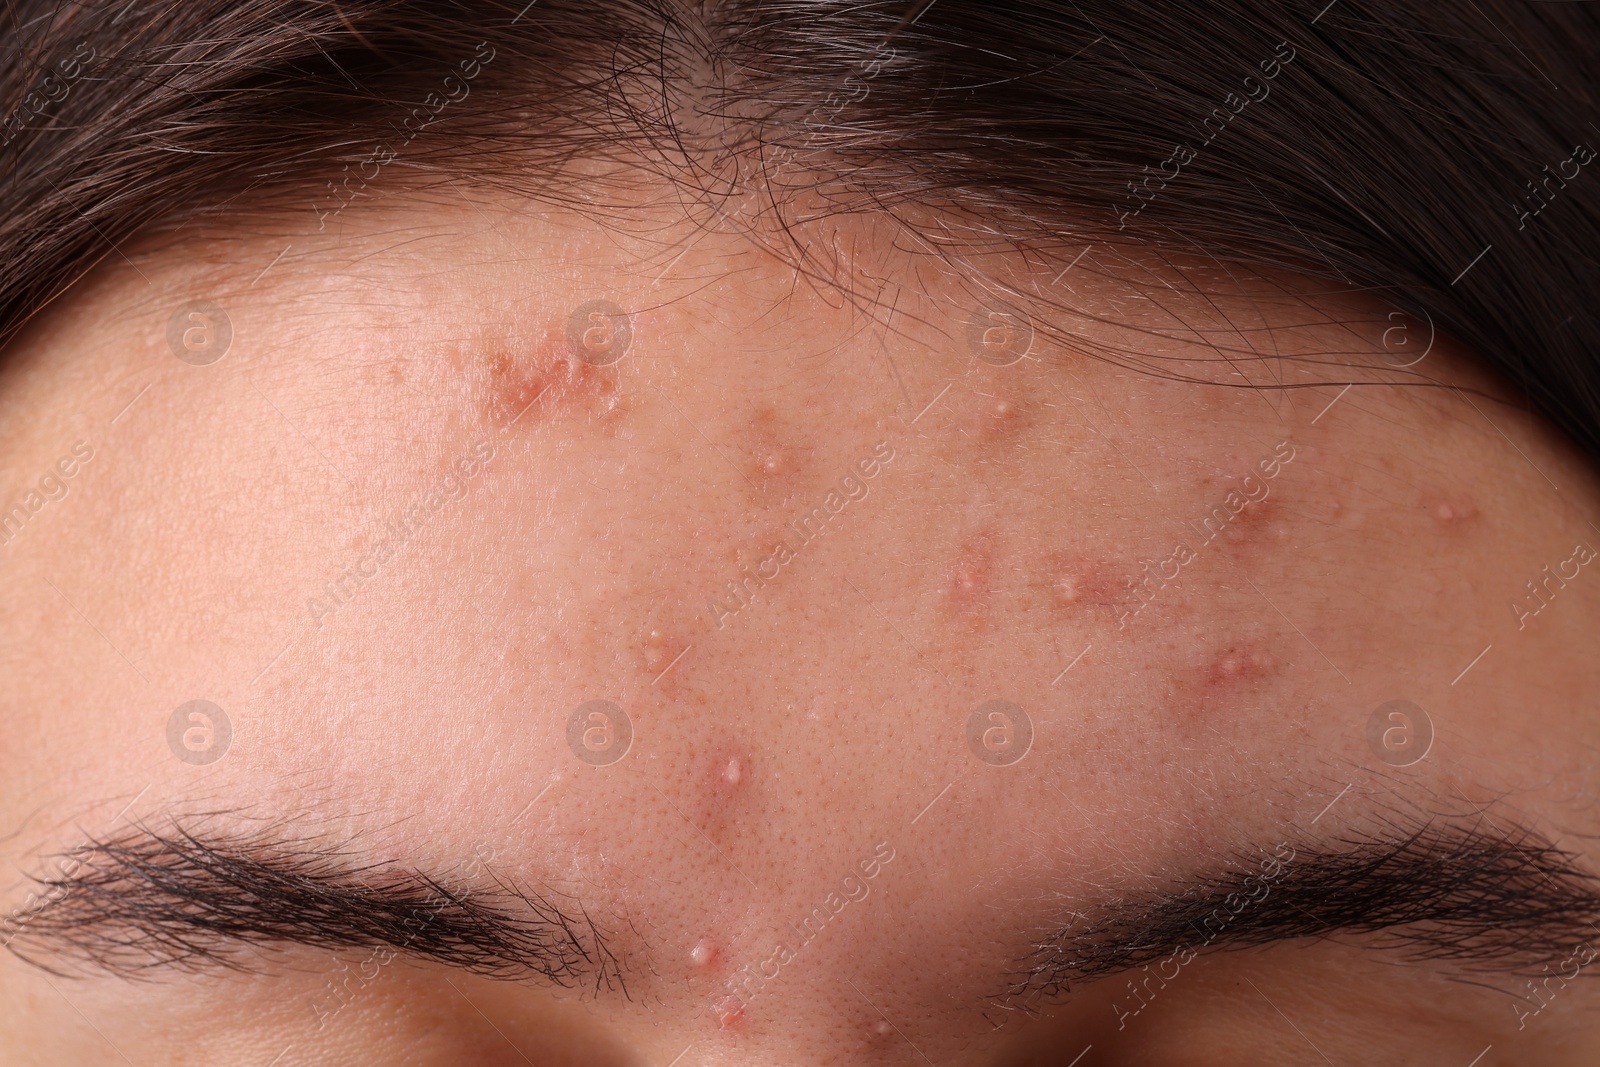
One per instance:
[(703, 954), (725, 786), (728, 1011), (971, 572), (1071, 586), (522, 385), (1213, 684), (992, 420), (772, 458), (1236, 664), (728, 780), (1258, 527), (1450, 513), (658, 648)]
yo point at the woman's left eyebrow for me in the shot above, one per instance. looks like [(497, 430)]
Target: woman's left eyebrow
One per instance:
[(144, 902), (1480, 897)]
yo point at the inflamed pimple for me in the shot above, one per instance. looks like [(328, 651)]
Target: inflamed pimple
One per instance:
[(1071, 585), (723, 782), (971, 572), (728, 1012), (992, 420), (1236, 664), (527, 384), (727, 771), (774, 457), (703, 954)]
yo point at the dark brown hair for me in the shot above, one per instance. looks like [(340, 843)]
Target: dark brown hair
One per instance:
[(1433, 153)]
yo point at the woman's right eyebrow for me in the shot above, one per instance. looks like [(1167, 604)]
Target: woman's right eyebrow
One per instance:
[(145, 902)]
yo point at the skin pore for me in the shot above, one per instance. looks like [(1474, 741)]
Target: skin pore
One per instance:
[(991, 518)]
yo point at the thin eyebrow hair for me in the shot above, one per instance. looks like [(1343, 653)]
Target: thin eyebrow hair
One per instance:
[(1498, 899), (145, 901)]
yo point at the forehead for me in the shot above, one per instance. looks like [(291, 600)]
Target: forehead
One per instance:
[(665, 573)]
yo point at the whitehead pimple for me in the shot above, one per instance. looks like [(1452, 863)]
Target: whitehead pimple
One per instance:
[(1450, 513), (703, 954), (524, 381), (772, 456)]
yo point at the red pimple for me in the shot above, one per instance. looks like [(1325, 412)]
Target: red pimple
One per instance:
[(728, 1011), (526, 383), (772, 456), (1236, 664), (703, 954), (663, 656), (992, 419), (1069, 585), (971, 572)]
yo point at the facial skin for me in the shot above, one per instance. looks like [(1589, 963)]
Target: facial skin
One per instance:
[(789, 742)]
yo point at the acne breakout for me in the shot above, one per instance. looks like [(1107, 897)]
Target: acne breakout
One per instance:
[(801, 530), (1142, 590)]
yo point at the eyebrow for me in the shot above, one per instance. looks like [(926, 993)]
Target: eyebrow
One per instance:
[(1487, 898), (146, 901)]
